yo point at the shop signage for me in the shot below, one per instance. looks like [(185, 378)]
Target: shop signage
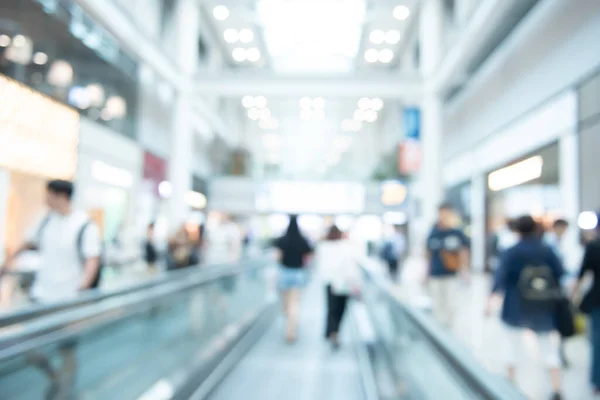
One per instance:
[(38, 135), (155, 171)]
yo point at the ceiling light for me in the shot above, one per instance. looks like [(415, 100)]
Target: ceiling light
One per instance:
[(260, 101), (253, 54), (587, 220), (265, 114), (359, 115), (306, 103), (254, 114), (117, 106), (246, 36), (96, 94), (386, 56), (221, 13), (318, 103), (306, 114), (60, 74), (516, 174), (364, 103), (401, 13), (371, 55), (231, 35), (239, 54), (370, 115), (40, 58), (377, 36), (319, 115), (392, 36), (376, 104), (19, 41), (248, 101), (4, 40)]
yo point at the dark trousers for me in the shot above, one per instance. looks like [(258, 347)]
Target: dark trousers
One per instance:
[(336, 306), (393, 268), (595, 342)]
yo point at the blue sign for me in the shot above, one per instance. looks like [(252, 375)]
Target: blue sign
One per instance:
[(412, 123)]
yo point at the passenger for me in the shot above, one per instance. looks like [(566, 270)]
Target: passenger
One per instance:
[(393, 252), (529, 276), (150, 251), (447, 251), (181, 251), (69, 246), (338, 262), (591, 303), (293, 254)]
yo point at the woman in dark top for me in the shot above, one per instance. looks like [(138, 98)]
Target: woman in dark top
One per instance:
[(293, 250), (591, 302), (518, 314)]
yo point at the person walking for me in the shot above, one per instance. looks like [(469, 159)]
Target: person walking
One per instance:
[(590, 304), (393, 251), (293, 250), (529, 277), (338, 263)]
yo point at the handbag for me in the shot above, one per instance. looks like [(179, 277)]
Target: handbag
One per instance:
[(565, 318)]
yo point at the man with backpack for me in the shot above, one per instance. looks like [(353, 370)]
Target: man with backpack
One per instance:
[(69, 246)]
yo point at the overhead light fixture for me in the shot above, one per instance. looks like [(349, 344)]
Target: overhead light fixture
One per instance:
[(364, 103), (239, 54), (248, 101), (260, 101), (370, 115), (246, 36), (79, 97), (372, 55), (306, 103), (587, 221), (96, 94), (386, 56), (60, 74), (254, 113), (5, 40), (318, 103), (359, 115), (19, 41), (516, 174), (392, 36), (117, 106), (253, 54), (377, 104), (231, 35), (401, 13), (377, 36), (40, 58), (221, 13), (265, 114)]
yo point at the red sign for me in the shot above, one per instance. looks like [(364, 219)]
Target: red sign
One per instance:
[(155, 171), (409, 157)]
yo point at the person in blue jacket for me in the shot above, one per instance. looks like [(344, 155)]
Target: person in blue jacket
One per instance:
[(518, 315)]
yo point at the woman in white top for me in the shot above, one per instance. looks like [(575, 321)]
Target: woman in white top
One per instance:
[(338, 262)]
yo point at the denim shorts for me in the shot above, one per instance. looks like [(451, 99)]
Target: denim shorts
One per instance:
[(291, 278)]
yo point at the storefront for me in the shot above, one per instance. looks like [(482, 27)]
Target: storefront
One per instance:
[(38, 141), (108, 176), (153, 194)]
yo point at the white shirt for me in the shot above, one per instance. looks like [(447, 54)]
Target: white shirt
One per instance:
[(338, 264), (61, 269)]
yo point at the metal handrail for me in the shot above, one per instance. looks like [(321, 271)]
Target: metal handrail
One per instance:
[(463, 362), (96, 295), (72, 323)]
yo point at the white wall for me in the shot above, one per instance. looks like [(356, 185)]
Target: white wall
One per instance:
[(4, 187), (551, 51)]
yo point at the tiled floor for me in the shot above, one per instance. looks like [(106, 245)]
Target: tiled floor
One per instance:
[(484, 336)]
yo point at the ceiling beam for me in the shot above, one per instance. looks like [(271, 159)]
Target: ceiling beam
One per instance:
[(407, 88)]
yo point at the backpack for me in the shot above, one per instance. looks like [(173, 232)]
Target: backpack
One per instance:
[(79, 243), (538, 288)]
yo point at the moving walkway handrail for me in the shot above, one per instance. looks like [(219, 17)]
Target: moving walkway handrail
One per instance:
[(94, 296), (461, 361), (71, 323)]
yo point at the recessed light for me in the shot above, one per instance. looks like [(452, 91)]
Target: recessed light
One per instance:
[(376, 104), (231, 35), (364, 103), (386, 56), (239, 54), (306, 103), (377, 36), (40, 58), (371, 55), (4, 40), (19, 41), (254, 114), (318, 103), (221, 13), (253, 54), (260, 101), (248, 101), (392, 36), (401, 13), (246, 36), (370, 115)]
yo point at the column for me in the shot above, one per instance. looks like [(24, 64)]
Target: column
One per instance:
[(478, 222), (568, 156), (182, 141), (429, 185)]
